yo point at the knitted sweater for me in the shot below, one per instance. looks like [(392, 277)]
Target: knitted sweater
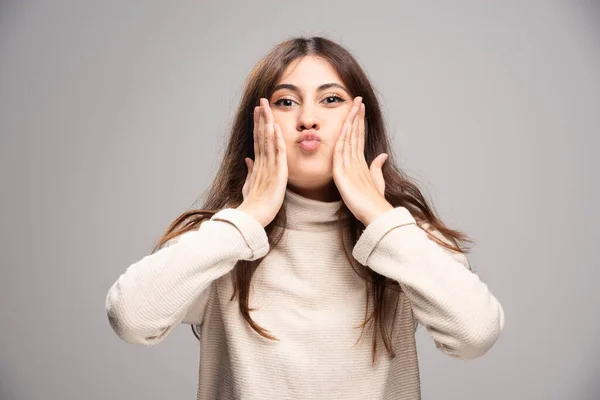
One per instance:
[(306, 294)]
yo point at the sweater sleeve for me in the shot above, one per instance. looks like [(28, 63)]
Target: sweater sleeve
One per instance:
[(457, 308), (171, 286)]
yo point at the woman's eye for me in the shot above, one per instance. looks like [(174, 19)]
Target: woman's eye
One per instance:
[(286, 104), (335, 99)]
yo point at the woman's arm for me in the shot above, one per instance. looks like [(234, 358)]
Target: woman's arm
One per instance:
[(171, 286), (457, 308)]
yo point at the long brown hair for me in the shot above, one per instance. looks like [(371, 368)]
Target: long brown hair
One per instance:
[(226, 189)]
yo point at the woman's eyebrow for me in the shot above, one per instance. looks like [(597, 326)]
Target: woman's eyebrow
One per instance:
[(296, 89)]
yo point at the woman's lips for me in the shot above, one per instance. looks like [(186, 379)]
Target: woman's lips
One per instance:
[(309, 145)]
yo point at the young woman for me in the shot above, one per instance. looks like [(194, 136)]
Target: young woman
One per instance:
[(314, 251)]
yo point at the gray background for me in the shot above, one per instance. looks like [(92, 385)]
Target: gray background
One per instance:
[(112, 118)]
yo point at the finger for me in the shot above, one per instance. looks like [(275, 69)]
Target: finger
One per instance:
[(260, 128), (269, 135), (360, 143), (354, 136), (344, 136), (261, 136), (280, 144), (349, 134), (281, 171), (343, 142), (255, 131), (338, 152)]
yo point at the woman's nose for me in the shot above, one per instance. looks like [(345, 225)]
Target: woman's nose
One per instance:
[(308, 118)]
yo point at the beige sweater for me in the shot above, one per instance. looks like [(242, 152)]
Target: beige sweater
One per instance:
[(308, 296)]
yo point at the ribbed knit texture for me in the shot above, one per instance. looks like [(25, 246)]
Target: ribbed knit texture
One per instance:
[(306, 294)]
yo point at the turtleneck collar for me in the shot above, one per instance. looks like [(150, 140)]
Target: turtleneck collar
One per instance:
[(307, 214)]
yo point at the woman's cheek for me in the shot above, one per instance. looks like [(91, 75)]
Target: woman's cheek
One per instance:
[(337, 130), (283, 125), (339, 119)]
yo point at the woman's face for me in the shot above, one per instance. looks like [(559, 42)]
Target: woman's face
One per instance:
[(305, 105)]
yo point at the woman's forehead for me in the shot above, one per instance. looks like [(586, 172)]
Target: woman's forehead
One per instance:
[(310, 73)]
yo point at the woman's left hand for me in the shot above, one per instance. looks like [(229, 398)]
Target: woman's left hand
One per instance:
[(362, 188)]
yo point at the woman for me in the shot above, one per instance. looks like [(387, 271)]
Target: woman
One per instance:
[(264, 273)]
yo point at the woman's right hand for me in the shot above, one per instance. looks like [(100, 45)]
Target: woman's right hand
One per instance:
[(266, 182)]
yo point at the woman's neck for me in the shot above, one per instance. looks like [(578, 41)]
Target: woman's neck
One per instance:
[(328, 193)]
